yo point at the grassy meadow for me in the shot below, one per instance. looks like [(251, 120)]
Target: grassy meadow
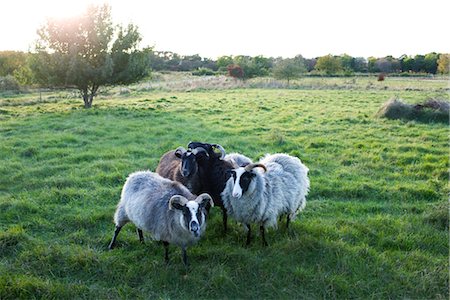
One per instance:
[(375, 224)]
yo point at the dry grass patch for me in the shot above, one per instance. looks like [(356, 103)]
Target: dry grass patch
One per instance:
[(430, 111)]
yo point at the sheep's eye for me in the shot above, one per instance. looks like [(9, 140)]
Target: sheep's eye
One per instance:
[(245, 180)]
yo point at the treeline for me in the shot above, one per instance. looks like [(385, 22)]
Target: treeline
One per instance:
[(15, 66), (431, 63)]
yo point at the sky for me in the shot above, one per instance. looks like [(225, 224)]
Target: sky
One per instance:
[(212, 28)]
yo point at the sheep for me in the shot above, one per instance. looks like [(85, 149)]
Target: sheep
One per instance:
[(180, 165), (279, 186), (213, 173), (164, 208), (238, 159)]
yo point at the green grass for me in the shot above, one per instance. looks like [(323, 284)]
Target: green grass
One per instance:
[(375, 225)]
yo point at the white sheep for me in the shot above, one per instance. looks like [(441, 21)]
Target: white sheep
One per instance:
[(164, 208), (259, 193)]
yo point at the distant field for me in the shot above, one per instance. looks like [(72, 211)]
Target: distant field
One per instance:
[(375, 225)]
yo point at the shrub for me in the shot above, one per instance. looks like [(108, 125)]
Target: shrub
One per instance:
[(9, 83), (235, 71), (431, 110), (203, 72)]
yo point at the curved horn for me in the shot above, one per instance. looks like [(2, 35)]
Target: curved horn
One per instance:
[(249, 167), (177, 201), (203, 199), (200, 149), (222, 151), (179, 151)]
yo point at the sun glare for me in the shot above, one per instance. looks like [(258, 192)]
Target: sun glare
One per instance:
[(67, 9), (273, 28)]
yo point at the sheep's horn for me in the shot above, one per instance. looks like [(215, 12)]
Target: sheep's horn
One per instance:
[(179, 152), (180, 149), (177, 199), (222, 151), (249, 167), (200, 149), (201, 199)]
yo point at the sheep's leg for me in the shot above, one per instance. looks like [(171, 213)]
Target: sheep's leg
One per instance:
[(185, 259), (288, 219), (263, 235), (113, 241), (249, 234), (166, 251), (141, 235)]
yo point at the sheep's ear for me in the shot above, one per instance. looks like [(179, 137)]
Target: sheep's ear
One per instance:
[(177, 202), (179, 152), (204, 199)]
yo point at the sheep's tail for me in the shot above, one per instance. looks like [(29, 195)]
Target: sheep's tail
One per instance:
[(301, 207), (120, 216)]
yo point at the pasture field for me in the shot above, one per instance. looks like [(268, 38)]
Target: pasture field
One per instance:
[(375, 224)]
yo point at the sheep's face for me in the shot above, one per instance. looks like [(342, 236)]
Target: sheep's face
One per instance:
[(189, 164), (242, 181), (192, 217)]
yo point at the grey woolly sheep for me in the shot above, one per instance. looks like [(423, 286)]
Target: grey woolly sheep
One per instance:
[(254, 196), (164, 208)]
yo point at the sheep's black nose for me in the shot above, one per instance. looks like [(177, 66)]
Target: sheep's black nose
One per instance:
[(194, 226), (185, 172)]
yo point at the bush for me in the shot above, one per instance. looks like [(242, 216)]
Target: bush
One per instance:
[(9, 83), (431, 110), (235, 71), (203, 72)]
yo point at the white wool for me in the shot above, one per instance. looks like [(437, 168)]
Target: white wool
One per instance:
[(280, 190)]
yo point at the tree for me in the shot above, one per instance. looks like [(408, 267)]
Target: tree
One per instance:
[(419, 63), (329, 64), (80, 52), (383, 65), (261, 65), (310, 64), (443, 63), (360, 64), (223, 62), (253, 66), (431, 62), (190, 62), (289, 68), (23, 75), (371, 67), (407, 63), (348, 63), (10, 61)]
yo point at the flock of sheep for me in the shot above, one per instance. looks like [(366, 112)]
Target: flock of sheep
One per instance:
[(166, 204)]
